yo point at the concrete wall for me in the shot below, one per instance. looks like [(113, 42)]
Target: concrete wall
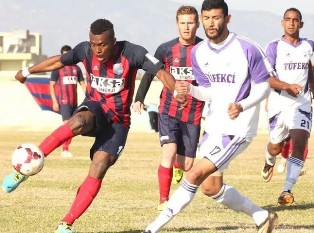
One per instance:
[(19, 111)]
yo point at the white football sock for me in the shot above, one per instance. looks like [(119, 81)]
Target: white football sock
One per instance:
[(231, 198), (177, 202), (294, 167), (270, 160)]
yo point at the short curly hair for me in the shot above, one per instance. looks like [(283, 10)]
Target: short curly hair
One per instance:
[(101, 25)]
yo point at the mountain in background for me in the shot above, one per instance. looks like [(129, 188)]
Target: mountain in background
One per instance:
[(264, 27), (148, 23)]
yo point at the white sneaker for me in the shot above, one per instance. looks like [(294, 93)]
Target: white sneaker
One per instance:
[(282, 165), (66, 154), (303, 172)]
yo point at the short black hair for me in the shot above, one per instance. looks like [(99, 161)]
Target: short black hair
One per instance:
[(295, 10), (65, 48), (215, 4), (101, 25)]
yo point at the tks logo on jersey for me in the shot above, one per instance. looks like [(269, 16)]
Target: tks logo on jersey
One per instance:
[(107, 85), (69, 80), (182, 73)]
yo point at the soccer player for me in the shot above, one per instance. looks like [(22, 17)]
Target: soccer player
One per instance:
[(111, 67), (231, 73), (286, 151), (289, 103), (179, 130), (66, 79)]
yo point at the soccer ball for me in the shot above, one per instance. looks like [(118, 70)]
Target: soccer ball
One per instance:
[(28, 159)]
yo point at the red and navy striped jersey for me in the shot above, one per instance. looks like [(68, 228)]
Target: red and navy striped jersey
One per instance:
[(177, 60), (112, 83), (67, 79)]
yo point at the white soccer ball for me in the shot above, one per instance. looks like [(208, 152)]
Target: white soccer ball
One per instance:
[(28, 159)]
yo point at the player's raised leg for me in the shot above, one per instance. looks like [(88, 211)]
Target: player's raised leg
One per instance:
[(12, 181), (54, 140)]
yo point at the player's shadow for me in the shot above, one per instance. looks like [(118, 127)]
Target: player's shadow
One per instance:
[(294, 206), (281, 226), (198, 229), (127, 231), (291, 227), (277, 209)]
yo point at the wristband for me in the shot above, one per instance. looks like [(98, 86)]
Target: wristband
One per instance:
[(25, 72), (175, 93)]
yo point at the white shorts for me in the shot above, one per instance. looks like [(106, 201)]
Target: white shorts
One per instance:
[(280, 124), (221, 149)]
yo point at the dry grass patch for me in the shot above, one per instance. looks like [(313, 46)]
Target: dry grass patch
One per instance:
[(129, 196)]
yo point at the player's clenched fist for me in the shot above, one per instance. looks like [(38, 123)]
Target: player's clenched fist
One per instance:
[(19, 77), (182, 87), (234, 110)]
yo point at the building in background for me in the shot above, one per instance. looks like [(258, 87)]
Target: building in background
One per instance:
[(19, 49)]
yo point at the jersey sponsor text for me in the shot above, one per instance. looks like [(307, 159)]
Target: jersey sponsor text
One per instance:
[(182, 73), (67, 80), (221, 78), (107, 85), (296, 66)]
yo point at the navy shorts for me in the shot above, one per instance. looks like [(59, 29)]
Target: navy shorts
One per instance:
[(185, 135), (109, 137), (66, 111)]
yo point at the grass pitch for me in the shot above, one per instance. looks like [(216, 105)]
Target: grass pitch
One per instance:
[(129, 195)]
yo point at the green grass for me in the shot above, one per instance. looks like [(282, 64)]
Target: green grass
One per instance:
[(129, 196)]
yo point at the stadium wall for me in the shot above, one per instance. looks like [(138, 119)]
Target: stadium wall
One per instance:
[(19, 111)]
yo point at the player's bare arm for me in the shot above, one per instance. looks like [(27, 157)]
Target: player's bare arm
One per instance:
[(291, 89), (311, 79), (49, 64), (167, 79), (55, 104), (169, 82)]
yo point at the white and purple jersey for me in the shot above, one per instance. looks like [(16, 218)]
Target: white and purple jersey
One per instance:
[(291, 63), (229, 70)]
